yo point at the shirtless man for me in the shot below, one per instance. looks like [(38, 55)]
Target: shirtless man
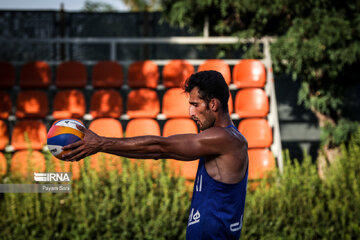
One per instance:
[(218, 200)]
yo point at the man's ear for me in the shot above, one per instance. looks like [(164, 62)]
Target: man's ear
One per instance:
[(214, 104)]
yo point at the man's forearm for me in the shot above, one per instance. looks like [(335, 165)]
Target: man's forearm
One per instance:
[(136, 147), (137, 156), (144, 147)]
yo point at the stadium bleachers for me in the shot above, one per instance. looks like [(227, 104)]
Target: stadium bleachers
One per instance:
[(175, 103), (28, 134), (5, 105), (175, 72), (36, 74), (106, 103), (71, 74), (251, 102), (7, 72), (142, 103), (107, 74), (42, 96), (260, 161), (143, 74), (32, 104), (217, 65), (249, 73), (69, 104), (257, 131)]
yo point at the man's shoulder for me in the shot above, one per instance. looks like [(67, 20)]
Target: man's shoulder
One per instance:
[(215, 131), (225, 134)]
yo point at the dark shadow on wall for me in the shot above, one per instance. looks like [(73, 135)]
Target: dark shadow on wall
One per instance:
[(298, 126)]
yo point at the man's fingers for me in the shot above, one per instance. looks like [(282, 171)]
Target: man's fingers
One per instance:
[(73, 145), (77, 157), (73, 153), (81, 128), (78, 150)]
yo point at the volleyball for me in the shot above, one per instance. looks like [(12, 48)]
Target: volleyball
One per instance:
[(62, 133)]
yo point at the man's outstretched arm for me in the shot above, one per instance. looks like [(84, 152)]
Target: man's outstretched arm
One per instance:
[(182, 147)]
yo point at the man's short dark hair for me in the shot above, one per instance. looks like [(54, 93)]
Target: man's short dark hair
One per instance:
[(211, 84)]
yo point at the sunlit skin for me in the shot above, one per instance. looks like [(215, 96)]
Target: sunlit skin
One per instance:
[(224, 149), (199, 111)]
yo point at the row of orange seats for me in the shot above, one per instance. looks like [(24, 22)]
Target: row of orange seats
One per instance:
[(257, 131), (249, 102), (109, 74)]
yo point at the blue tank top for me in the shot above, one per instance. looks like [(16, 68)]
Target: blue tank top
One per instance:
[(217, 208)]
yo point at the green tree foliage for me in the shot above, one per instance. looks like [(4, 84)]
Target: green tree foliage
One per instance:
[(300, 205), (318, 42), (336, 135), (143, 5), (97, 6)]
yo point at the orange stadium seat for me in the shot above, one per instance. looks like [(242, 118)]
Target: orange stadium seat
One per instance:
[(32, 103), (24, 163), (63, 166), (69, 104), (260, 161), (181, 126), (140, 127), (4, 135), (217, 65), (175, 72), (5, 105), (251, 102), (175, 103), (35, 75), (143, 103), (257, 132), (143, 74), (107, 127), (7, 75), (29, 133), (249, 73), (107, 74), (106, 103), (231, 105), (3, 164), (71, 74)]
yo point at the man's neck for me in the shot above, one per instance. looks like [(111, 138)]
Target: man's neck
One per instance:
[(223, 120)]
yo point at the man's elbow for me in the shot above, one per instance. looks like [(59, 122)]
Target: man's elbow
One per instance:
[(165, 147), (159, 146)]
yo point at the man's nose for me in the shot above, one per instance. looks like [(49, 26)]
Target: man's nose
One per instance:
[(191, 111)]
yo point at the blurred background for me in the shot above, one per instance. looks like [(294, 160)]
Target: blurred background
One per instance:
[(118, 66)]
